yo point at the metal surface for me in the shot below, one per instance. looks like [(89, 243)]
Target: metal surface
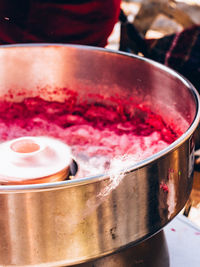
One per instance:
[(152, 252), (176, 246), (71, 222)]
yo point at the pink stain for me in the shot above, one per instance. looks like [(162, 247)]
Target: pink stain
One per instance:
[(164, 187), (197, 233)]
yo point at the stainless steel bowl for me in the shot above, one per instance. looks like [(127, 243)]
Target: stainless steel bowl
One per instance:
[(70, 222)]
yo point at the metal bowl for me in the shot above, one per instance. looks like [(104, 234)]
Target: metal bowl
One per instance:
[(70, 222)]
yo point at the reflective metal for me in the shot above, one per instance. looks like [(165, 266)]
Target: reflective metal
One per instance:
[(152, 252), (71, 222)]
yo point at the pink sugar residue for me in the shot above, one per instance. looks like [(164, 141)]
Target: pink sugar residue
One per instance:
[(164, 187), (96, 132)]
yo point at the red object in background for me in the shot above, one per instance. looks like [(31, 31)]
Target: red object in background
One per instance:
[(87, 22)]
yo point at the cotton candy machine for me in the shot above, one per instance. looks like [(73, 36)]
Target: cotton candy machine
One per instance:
[(70, 222)]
